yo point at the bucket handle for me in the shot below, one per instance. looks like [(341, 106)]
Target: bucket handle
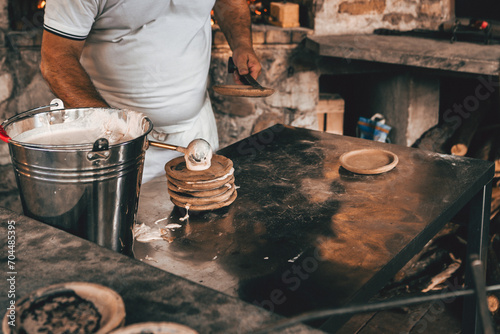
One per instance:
[(55, 104), (3, 135), (100, 150)]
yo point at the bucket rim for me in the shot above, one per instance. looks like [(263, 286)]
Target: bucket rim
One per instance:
[(39, 110)]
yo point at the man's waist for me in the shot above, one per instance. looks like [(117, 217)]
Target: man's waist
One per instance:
[(170, 116)]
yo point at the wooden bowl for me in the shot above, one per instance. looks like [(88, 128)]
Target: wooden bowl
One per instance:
[(84, 303)]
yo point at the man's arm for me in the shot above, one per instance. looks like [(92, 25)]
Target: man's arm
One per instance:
[(61, 68), (233, 17)]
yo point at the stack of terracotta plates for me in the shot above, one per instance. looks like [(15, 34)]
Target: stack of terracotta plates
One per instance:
[(201, 190)]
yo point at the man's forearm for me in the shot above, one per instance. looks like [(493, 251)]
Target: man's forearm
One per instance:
[(68, 80), (73, 86), (233, 17)]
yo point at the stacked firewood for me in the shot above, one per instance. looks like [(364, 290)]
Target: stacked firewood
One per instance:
[(477, 135)]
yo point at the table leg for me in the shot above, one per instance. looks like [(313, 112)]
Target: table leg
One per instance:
[(477, 243)]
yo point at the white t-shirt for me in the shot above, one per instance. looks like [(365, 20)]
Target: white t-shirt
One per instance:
[(151, 56)]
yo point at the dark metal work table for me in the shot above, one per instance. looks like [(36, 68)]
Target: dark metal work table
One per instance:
[(306, 234), (45, 255), (464, 57)]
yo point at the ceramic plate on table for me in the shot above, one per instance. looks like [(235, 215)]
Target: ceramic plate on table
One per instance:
[(242, 91), (156, 328), (81, 307), (369, 161)]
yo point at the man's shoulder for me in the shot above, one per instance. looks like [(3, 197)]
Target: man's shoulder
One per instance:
[(71, 19)]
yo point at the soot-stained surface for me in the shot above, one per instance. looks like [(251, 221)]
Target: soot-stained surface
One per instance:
[(45, 256), (304, 233)]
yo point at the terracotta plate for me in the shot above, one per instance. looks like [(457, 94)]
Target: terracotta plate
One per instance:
[(108, 303), (183, 198), (369, 161), (155, 327), (198, 186), (206, 207), (220, 167), (242, 90), (200, 193)]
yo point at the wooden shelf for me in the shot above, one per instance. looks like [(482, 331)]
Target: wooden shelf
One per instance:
[(463, 57)]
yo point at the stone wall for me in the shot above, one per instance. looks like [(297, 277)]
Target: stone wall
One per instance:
[(292, 71), (287, 67), (21, 88), (363, 16)]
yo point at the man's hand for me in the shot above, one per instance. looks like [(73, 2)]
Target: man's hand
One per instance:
[(233, 17), (247, 62)]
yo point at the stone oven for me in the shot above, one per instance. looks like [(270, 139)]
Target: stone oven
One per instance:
[(25, 14), (479, 9)]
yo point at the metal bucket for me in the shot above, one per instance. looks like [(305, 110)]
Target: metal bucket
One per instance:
[(89, 190)]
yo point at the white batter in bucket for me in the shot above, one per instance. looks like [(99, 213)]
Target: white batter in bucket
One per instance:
[(95, 124)]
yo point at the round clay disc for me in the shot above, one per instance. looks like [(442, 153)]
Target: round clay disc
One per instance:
[(155, 327), (242, 91), (200, 193), (207, 207), (216, 184), (369, 161), (220, 166), (182, 198)]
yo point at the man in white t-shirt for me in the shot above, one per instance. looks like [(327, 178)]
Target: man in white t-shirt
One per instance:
[(151, 56)]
